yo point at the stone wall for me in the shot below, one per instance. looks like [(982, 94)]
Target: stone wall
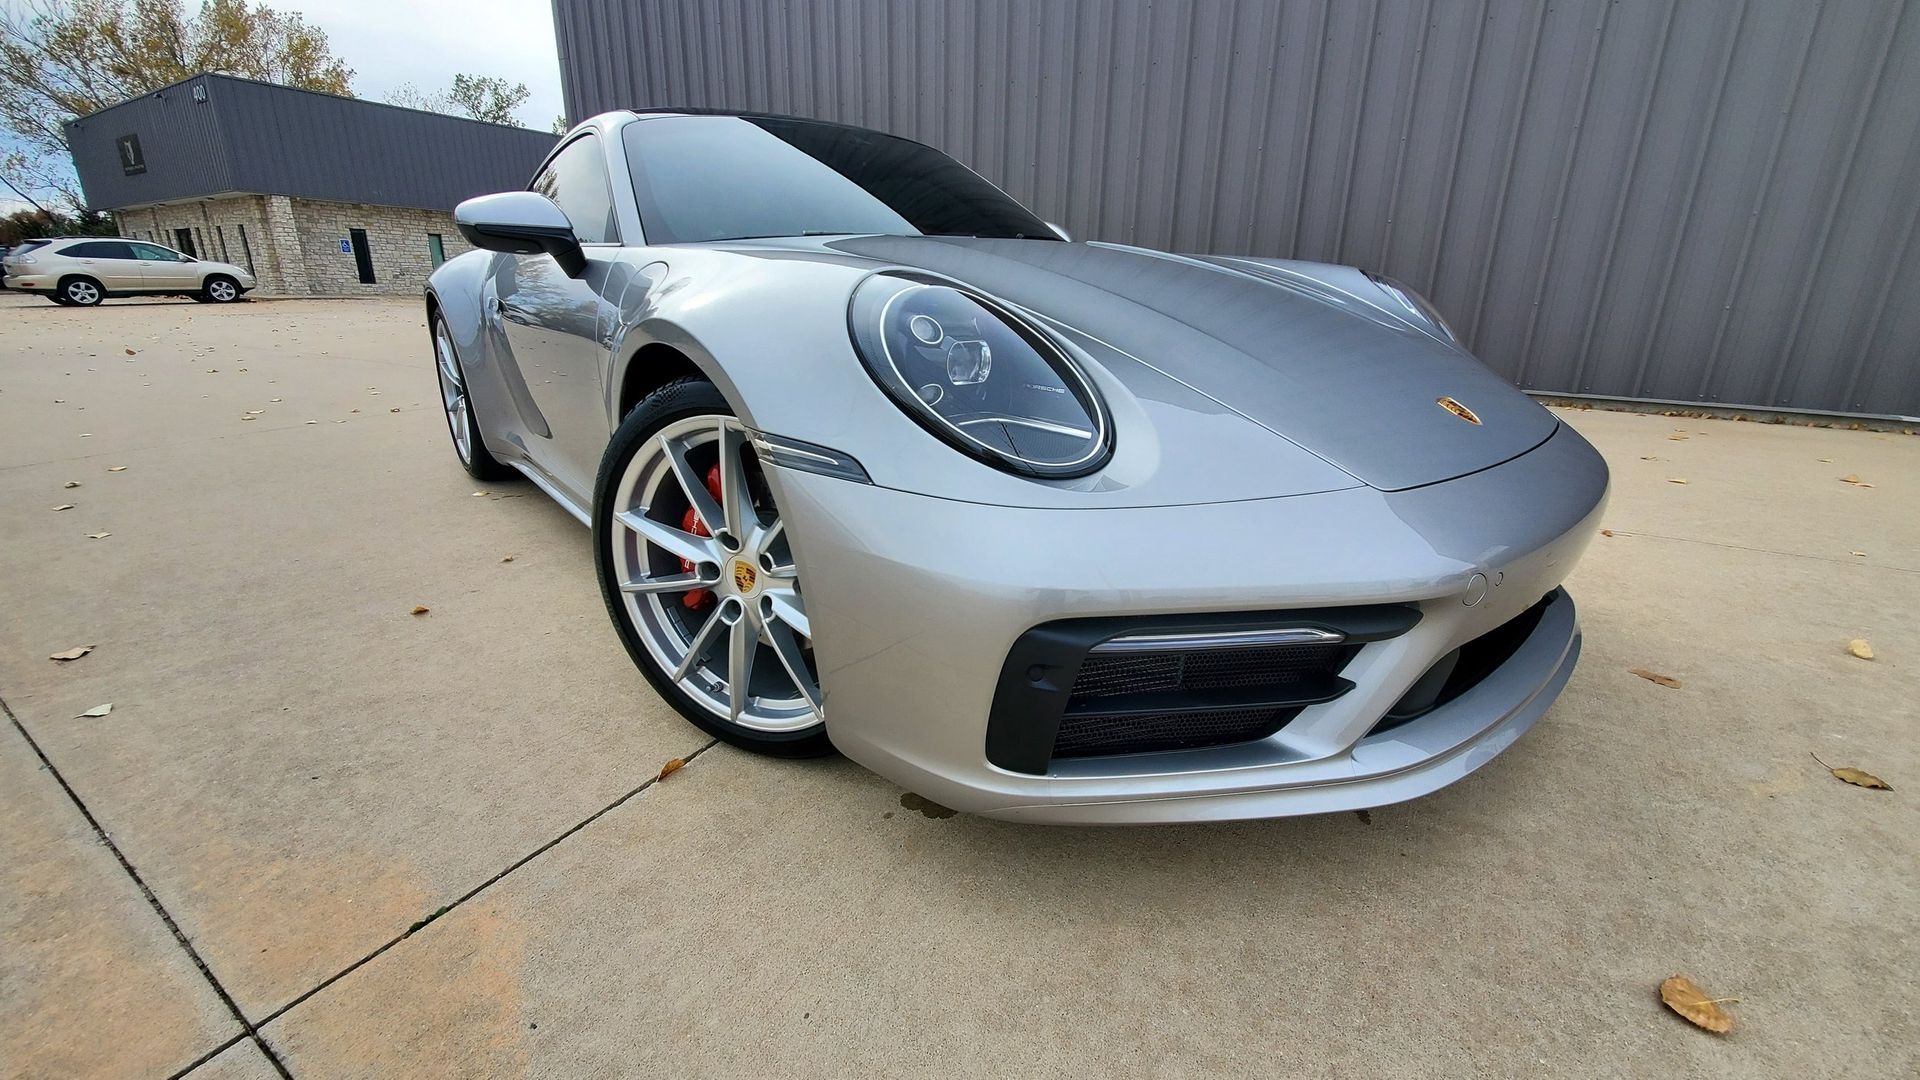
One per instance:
[(293, 245), (396, 238)]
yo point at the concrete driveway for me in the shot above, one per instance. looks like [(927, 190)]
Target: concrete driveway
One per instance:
[(323, 835)]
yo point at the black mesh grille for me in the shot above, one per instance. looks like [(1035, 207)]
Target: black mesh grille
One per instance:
[(1104, 675), (1093, 735), (1097, 722)]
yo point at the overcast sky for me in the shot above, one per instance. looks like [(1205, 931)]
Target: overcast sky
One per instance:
[(425, 42)]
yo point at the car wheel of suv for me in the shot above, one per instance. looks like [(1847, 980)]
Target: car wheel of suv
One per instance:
[(81, 291), (221, 289)]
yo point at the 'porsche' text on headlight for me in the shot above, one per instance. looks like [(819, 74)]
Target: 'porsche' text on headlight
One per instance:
[(979, 376)]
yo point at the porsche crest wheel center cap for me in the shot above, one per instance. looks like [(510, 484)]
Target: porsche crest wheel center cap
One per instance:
[(744, 576)]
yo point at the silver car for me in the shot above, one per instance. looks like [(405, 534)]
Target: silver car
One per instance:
[(81, 271), (876, 460)]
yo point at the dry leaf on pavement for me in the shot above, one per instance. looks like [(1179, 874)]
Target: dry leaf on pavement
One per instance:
[(1671, 480), (1667, 681), (672, 767), (63, 506), (116, 468), (74, 653), (73, 484), (1856, 777), (420, 609), (1682, 996), (97, 710), (507, 559), (98, 535), (1606, 532), (1860, 554), (130, 352), (1860, 648), (1677, 437)]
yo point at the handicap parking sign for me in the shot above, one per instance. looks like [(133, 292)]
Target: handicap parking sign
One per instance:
[(346, 247)]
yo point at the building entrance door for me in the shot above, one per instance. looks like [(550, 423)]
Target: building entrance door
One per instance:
[(362, 258), (183, 241)]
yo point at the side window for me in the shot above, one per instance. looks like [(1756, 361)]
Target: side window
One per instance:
[(154, 253), (576, 181), (100, 249)]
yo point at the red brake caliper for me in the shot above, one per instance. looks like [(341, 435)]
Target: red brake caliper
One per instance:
[(695, 599)]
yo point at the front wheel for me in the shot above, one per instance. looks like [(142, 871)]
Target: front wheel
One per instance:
[(697, 571), (220, 289)]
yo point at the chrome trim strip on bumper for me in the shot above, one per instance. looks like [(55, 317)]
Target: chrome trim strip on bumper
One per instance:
[(1228, 639)]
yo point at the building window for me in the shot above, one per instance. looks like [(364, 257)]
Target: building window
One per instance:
[(220, 231), (183, 241), (436, 250)]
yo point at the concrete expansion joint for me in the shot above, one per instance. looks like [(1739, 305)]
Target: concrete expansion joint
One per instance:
[(434, 916)]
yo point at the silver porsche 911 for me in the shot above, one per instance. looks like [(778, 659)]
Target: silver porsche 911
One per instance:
[(876, 460)]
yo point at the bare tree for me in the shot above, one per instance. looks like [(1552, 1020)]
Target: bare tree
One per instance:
[(61, 59), (477, 97)]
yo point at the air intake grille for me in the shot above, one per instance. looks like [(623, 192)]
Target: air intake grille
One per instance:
[(1134, 703), (1094, 734)]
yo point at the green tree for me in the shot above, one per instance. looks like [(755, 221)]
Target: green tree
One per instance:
[(61, 59), (477, 97)]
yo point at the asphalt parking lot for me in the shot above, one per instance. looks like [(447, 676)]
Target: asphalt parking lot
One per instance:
[(433, 845)]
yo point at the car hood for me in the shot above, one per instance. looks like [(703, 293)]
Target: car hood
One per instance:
[(1313, 353)]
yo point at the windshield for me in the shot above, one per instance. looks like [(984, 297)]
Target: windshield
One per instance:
[(700, 178)]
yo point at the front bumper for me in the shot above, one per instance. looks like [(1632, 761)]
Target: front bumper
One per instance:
[(915, 602)]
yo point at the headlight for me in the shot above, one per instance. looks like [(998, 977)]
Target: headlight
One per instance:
[(979, 376), (1415, 303)]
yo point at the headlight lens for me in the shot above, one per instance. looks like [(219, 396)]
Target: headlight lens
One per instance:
[(979, 376), (1415, 303)]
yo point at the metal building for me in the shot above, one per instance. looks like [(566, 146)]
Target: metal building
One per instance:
[(1654, 199), (311, 192)]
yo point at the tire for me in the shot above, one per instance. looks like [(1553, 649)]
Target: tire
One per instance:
[(81, 291), (462, 425), (756, 613), (219, 289)]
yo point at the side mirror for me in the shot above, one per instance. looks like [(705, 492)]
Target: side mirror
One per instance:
[(1060, 232), (521, 223)]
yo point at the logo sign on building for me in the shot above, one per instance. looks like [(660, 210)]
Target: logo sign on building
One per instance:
[(132, 161), (346, 246)]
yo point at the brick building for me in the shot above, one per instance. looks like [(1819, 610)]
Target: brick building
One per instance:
[(317, 195)]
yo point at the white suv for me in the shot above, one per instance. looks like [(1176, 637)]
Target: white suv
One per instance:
[(84, 270)]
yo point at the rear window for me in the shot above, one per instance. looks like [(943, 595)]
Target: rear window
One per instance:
[(99, 249)]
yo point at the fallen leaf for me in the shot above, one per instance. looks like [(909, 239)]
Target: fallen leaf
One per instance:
[(1606, 532), (313, 421), (74, 653), (248, 418), (1856, 777), (1648, 457), (1860, 554), (1828, 460), (273, 399), (420, 609), (97, 710), (479, 494), (393, 410), (1860, 648), (98, 536), (1671, 480), (672, 767), (63, 506), (1682, 996), (130, 352), (59, 401), (86, 434), (1667, 681), (507, 559), (1677, 438), (116, 468), (1850, 478), (73, 484)]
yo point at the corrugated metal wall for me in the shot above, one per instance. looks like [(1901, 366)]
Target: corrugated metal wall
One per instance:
[(259, 137), (1701, 200)]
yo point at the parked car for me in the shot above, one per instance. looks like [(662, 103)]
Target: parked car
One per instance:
[(875, 459), (85, 270)]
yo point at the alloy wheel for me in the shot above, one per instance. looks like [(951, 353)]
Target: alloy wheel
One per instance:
[(706, 573), (223, 291), (83, 292), (453, 394)]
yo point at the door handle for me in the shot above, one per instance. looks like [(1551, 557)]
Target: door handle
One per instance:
[(514, 314)]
